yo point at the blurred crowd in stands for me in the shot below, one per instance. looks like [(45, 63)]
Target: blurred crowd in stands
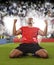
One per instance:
[(23, 9)]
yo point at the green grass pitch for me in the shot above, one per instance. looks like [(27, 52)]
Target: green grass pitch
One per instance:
[(28, 60)]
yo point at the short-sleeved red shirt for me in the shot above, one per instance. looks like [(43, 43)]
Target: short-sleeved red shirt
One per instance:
[(29, 34)]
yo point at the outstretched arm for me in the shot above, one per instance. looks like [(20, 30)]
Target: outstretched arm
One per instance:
[(15, 32), (43, 33)]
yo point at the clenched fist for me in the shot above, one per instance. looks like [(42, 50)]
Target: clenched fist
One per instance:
[(15, 20)]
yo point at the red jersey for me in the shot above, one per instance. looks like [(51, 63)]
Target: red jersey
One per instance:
[(29, 34)]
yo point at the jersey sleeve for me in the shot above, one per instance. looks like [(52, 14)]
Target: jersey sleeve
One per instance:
[(38, 30), (21, 28)]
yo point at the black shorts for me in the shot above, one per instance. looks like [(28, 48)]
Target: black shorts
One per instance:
[(29, 48)]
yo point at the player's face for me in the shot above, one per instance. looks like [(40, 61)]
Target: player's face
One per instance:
[(30, 21)]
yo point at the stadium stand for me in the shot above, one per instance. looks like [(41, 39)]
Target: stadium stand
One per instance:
[(22, 9)]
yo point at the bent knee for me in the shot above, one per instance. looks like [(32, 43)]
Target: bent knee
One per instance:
[(15, 53), (44, 55), (14, 56), (11, 56)]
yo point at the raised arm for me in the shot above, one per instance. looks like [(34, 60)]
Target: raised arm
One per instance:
[(43, 33), (16, 32)]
